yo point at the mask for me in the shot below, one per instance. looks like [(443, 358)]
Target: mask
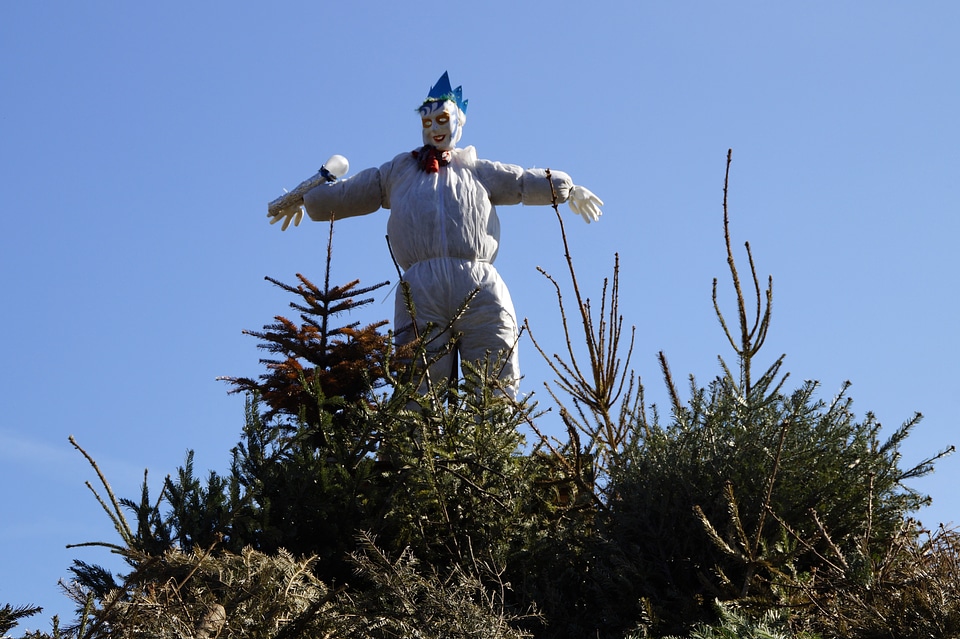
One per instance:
[(441, 124)]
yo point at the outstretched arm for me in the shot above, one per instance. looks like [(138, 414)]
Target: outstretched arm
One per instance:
[(358, 195), (510, 184), (289, 206)]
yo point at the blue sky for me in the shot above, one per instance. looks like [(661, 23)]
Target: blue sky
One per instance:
[(140, 144)]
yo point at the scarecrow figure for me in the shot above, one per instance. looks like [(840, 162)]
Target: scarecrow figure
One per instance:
[(443, 232)]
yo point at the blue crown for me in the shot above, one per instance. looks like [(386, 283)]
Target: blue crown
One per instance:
[(443, 91)]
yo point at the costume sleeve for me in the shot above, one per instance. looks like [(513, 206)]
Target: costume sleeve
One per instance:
[(511, 184), (360, 194)]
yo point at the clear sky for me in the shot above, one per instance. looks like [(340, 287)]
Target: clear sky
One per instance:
[(141, 142)]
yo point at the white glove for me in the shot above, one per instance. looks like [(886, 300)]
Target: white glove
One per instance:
[(584, 203), (290, 214)]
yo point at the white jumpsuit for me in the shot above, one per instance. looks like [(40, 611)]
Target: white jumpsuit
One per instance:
[(444, 233)]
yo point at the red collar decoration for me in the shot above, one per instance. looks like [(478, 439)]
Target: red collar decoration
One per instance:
[(431, 158)]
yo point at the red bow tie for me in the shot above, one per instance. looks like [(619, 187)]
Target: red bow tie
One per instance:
[(431, 158)]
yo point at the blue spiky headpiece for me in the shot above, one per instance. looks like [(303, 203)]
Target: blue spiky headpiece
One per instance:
[(443, 91)]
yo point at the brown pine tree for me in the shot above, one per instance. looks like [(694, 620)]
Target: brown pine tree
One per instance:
[(315, 355)]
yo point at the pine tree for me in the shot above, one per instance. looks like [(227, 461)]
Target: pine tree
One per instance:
[(315, 473), (748, 488), (9, 616), (342, 361), (302, 476)]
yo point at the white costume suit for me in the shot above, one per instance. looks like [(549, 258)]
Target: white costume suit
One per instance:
[(444, 233)]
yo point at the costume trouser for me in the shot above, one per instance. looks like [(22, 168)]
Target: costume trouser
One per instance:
[(485, 331)]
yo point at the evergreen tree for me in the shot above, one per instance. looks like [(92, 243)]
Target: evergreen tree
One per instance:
[(10, 615), (747, 490), (338, 361)]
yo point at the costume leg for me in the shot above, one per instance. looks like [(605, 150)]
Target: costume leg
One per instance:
[(488, 328), (486, 331), (426, 296)]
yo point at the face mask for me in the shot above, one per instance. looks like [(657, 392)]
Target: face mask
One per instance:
[(441, 124)]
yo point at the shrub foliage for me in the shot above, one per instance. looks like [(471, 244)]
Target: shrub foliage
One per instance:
[(365, 501)]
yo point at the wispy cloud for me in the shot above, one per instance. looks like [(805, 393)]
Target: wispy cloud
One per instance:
[(18, 448), (28, 454)]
